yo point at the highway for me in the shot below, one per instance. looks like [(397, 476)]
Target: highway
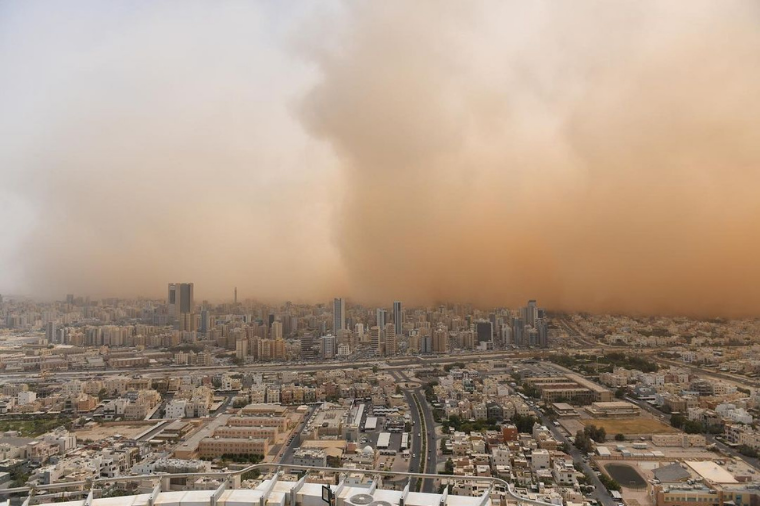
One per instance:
[(429, 461), (160, 372)]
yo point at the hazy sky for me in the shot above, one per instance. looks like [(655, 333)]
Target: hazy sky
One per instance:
[(594, 155)]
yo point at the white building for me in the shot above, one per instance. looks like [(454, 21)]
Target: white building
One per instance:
[(176, 409), (26, 397)]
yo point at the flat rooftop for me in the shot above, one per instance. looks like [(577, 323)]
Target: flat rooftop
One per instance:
[(711, 471)]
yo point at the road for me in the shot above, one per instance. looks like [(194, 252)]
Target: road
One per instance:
[(295, 440), (402, 363), (429, 461), (600, 493)]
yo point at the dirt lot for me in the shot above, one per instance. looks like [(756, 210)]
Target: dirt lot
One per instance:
[(630, 425), (102, 432)]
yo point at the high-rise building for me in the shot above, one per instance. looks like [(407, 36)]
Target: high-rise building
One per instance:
[(307, 346), (390, 339), (426, 344), (181, 298), (543, 332), (398, 318), (50, 332), (382, 317), (518, 327), (207, 321), (277, 330), (529, 313), (484, 330), (531, 335), (279, 349), (376, 340), (441, 340), (359, 331), (327, 346), (339, 315), (241, 349)]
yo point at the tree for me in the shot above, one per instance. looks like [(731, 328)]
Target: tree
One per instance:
[(619, 437), (620, 393), (609, 483), (598, 434), (449, 468), (677, 420), (524, 423), (583, 442)]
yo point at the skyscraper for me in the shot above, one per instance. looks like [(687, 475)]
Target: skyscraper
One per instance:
[(327, 346), (339, 315), (529, 313), (382, 316), (441, 340), (518, 326), (390, 339), (376, 340), (398, 318), (543, 332), (484, 330), (181, 299), (276, 330), (50, 333)]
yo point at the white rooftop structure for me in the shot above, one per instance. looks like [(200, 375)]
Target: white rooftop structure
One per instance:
[(287, 493)]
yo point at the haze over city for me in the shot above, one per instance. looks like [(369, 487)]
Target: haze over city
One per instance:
[(596, 156)]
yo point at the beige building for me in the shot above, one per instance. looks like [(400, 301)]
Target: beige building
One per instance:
[(218, 446)]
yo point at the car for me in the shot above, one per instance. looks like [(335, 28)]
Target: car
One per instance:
[(419, 434)]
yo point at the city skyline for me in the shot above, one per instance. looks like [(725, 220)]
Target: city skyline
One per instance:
[(599, 157)]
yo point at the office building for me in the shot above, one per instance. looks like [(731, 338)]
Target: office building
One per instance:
[(543, 332), (207, 321), (327, 346), (390, 339), (241, 349), (398, 318), (339, 315), (307, 346), (518, 328), (484, 330), (426, 344), (277, 330), (375, 336), (441, 340), (382, 316), (530, 313), (50, 333), (181, 298)]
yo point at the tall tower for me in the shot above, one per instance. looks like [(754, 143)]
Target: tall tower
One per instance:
[(376, 339), (398, 318), (236, 296), (339, 315), (181, 298), (382, 317), (181, 303), (390, 339), (50, 332), (530, 313)]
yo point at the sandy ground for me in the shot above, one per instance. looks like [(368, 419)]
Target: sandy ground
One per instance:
[(102, 432)]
